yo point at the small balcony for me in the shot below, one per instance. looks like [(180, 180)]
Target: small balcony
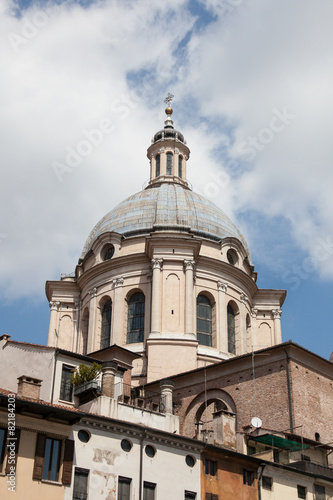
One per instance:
[(313, 468), (88, 391), (139, 398)]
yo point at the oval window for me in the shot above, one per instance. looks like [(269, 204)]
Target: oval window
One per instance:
[(126, 445), (107, 252), (190, 461), (150, 451), (83, 436)]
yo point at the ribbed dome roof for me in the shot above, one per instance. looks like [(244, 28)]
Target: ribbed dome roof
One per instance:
[(168, 206)]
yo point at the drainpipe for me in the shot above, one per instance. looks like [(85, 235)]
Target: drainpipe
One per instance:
[(291, 419), (259, 480), (54, 372), (141, 465)]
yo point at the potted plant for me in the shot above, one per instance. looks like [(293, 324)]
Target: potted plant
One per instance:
[(84, 379)]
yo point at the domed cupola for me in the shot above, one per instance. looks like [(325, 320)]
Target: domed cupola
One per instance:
[(168, 154)]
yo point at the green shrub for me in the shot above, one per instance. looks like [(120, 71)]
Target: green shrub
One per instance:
[(85, 373)]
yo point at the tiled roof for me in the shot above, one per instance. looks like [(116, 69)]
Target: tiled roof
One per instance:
[(168, 206)]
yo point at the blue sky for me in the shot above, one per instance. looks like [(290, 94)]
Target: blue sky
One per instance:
[(253, 90)]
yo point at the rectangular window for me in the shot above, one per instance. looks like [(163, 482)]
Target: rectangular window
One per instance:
[(306, 458), (210, 467), (189, 495), (66, 386), (320, 493), (124, 488), (3, 435), (149, 491), (267, 482), (47, 459), (51, 459), (211, 496), (301, 491), (276, 456), (80, 490), (248, 477)]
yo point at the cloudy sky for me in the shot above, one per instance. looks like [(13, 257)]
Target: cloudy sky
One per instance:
[(81, 90)]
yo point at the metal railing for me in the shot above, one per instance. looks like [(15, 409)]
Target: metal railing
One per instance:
[(139, 397)]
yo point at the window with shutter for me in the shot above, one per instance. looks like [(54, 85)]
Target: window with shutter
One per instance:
[(68, 462), (80, 490), (124, 488)]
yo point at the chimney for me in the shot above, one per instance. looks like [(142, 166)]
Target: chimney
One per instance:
[(109, 370), (29, 387), (167, 387)]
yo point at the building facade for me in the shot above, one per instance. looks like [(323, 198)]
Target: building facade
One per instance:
[(167, 275)]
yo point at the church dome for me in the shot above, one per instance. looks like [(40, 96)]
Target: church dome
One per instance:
[(166, 207)]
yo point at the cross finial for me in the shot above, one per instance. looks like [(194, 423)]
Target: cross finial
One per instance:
[(168, 99)]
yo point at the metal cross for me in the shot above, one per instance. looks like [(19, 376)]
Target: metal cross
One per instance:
[(168, 99)]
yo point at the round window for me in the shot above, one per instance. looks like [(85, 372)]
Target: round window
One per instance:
[(150, 451), (107, 252), (83, 436), (232, 257), (126, 445), (190, 461)]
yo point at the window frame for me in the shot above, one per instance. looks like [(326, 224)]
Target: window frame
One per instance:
[(301, 491), (84, 473), (66, 386), (106, 322), (180, 166), (66, 454), (3, 447), (169, 163), (248, 477), (210, 467), (231, 327), (136, 335), (52, 458), (269, 482), (157, 165), (147, 487), (124, 480), (204, 320)]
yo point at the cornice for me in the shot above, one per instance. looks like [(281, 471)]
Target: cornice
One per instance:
[(106, 268)]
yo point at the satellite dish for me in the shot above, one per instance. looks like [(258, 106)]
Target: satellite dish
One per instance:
[(256, 422)]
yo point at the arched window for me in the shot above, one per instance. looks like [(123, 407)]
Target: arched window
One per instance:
[(169, 164), (180, 166), (158, 165), (106, 324), (204, 320), (136, 318), (231, 330)]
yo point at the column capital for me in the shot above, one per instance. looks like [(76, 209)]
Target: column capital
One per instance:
[(54, 306), (92, 292), (222, 287), (189, 265), (117, 282), (254, 313), (244, 298), (277, 313), (156, 263)]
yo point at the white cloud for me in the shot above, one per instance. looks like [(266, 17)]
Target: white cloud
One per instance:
[(72, 73)]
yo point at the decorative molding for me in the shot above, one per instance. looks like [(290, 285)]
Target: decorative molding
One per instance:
[(254, 313), (92, 293), (277, 313), (157, 263), (189, 265), (244, 298), (176, 151), (161, 150), (117, 282), (222, 287), (54, 306)]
